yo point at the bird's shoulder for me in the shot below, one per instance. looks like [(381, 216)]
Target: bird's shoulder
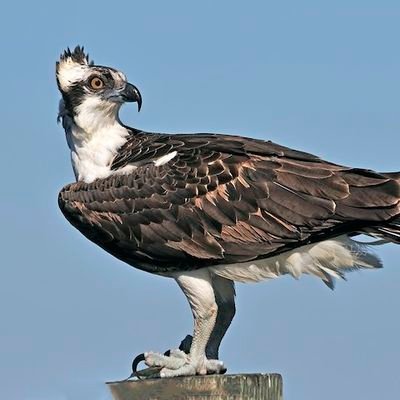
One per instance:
[(219, 173), (144, 147)]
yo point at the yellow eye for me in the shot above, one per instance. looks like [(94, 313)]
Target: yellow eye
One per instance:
[(96, 83)]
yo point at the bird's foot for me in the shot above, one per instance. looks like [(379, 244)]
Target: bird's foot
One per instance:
[(175, 363), (178, 363)]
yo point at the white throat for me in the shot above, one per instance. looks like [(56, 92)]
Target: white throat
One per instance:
[(94, 136)]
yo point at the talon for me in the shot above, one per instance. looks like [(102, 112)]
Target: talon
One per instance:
[(138, 359), (175, 362), (186, 344), (215, 367), (153, 372)]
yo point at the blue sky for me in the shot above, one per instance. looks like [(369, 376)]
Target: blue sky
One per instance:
[(317, 76)]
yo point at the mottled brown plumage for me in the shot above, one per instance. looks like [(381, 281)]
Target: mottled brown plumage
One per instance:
[(225, 199)]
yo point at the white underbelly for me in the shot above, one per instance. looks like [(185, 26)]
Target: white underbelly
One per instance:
[(327, 260)]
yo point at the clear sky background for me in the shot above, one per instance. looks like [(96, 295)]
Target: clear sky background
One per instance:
[(318, 76)]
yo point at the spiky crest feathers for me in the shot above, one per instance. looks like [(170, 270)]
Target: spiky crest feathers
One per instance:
[(78, 55), (71, 66)]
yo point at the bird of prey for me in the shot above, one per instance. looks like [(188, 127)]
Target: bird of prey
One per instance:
[(209, 210)]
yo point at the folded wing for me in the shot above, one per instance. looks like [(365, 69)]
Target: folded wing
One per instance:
[(223, 199)]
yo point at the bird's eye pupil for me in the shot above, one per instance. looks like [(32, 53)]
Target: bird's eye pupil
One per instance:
[(96, 83)]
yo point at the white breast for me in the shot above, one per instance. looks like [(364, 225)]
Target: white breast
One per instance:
[(92, 155)]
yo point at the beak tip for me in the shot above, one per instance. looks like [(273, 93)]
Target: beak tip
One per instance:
[(138, 99), (131, 94)]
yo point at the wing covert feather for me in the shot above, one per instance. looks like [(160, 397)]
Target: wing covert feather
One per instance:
[(222, 200)]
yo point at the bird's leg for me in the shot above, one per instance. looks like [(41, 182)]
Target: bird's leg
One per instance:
[(224, 290), (198, 288)]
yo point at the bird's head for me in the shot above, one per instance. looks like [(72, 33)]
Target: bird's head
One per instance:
[(91, 93)]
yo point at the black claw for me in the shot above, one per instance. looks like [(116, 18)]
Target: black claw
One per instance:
[(138, 359), (221, 372), (152, 372), (186, 344)]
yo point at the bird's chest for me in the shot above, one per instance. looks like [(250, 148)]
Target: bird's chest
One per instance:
[(88, 167), (92, 154)]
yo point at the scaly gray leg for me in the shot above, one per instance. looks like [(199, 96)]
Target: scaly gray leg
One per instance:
[(224, 291), (199, 290)]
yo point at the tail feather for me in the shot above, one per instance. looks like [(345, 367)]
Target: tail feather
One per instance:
[(390, 232)]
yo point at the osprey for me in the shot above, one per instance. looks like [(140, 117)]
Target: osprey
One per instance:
[(208, 210)]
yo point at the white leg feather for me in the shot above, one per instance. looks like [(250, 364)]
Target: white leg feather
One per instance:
[(198, 289)]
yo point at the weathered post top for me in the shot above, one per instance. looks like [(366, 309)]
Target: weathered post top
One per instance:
[(216, 387)]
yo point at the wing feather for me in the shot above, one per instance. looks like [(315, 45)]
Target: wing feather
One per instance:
[(222, 199)]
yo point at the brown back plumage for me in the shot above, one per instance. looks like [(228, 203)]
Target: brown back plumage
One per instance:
[(225, 199)]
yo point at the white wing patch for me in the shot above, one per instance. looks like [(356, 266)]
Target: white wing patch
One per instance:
[(164, 159)]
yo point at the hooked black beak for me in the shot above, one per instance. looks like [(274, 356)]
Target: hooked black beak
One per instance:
[(131, 94)]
